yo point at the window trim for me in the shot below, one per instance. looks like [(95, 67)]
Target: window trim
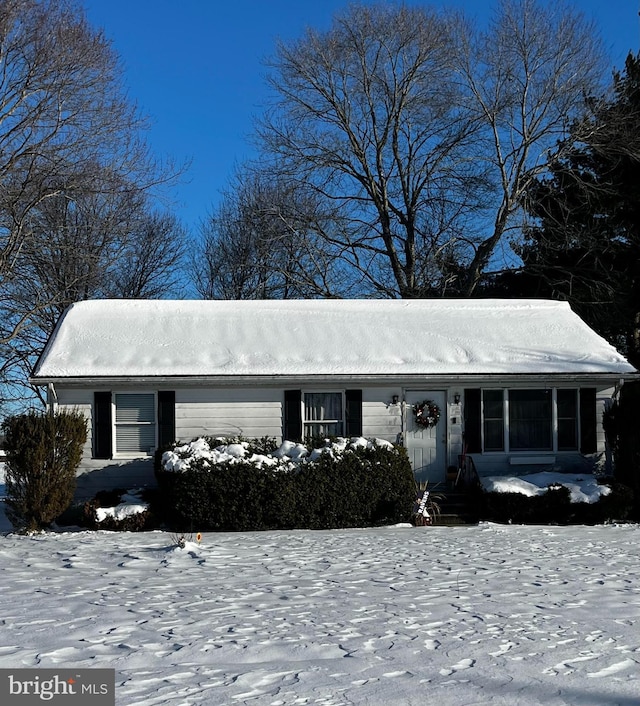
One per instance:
[(114, 425)]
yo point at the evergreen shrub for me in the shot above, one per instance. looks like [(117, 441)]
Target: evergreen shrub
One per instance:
[(136, 522), (43, 452), (359, 487), (517, 508), (618, 506), (621, 428), (555, 507)]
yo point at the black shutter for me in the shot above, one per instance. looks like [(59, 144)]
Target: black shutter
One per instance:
[(353, 412), (588, 421), (473, 420), (292, 426), (101, 425), (166, 418)]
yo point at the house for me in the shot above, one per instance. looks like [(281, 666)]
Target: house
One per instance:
[(520, 384)]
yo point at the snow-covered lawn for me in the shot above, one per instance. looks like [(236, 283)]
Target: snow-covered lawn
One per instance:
[(517, 616), (495, 615)]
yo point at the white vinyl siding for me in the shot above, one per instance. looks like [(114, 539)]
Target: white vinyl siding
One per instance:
[(247, 412), (380, 418), (135, 422), (254, 412)]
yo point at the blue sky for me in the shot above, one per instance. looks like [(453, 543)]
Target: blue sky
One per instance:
[(195, 67)]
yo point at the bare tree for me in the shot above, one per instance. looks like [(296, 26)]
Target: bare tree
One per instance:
[(66, 125), (93, 245), (422, 132), (367, 115), (99, 245), (526, 79), (152, 261), (75, 173), (262, 242)]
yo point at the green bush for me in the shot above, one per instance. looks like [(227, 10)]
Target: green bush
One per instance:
[(363, 487), (618, 506), (359, 487), (551, 507), (555, 507), (264, 445), (43, 453), (621, 428), (112, 498)]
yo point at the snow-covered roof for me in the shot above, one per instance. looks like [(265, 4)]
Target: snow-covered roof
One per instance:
[(141, 338)]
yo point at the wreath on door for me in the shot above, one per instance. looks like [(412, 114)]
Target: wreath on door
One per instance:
[(427, 414)]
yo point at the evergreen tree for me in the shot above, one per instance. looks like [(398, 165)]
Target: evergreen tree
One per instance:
[(43, 453), (585, 246)]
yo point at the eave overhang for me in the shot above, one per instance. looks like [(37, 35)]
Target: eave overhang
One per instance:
[(409, 380)]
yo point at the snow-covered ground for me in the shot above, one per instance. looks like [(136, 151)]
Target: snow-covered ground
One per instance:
[(487, 615)]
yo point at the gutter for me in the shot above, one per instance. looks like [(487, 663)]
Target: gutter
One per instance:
[(409, 380)]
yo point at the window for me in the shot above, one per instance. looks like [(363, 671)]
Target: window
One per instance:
[(567, 405), (135, 423), (129, 424), (513, 420), (323, 414), (530, 420), (493, 408)]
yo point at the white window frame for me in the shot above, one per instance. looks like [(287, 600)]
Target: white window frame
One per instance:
[(114, 425), (306, 424)]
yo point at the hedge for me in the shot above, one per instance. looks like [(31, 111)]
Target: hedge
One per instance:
[(555, 507), (359, 487)]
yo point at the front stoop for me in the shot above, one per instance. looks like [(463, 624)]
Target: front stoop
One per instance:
[(457, 508)]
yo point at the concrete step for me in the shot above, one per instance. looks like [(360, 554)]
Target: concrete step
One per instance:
[(454, 520), (456, 509)]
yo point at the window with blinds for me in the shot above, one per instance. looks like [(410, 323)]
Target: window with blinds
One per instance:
[(135, 423)]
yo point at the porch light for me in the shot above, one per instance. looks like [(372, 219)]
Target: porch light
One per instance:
[(395, 399), (456, 398)]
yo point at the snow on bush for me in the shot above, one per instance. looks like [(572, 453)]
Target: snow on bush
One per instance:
[(288, 456), (130, 504), (584, 488)]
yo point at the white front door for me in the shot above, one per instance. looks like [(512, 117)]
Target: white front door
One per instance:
[(426, 446)]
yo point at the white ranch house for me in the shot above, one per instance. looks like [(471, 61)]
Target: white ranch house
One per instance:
[(521, 385)]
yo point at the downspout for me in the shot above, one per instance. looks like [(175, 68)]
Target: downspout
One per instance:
[(52, 399), (403, 404)]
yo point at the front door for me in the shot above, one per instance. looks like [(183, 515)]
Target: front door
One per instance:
[(426, 446)]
